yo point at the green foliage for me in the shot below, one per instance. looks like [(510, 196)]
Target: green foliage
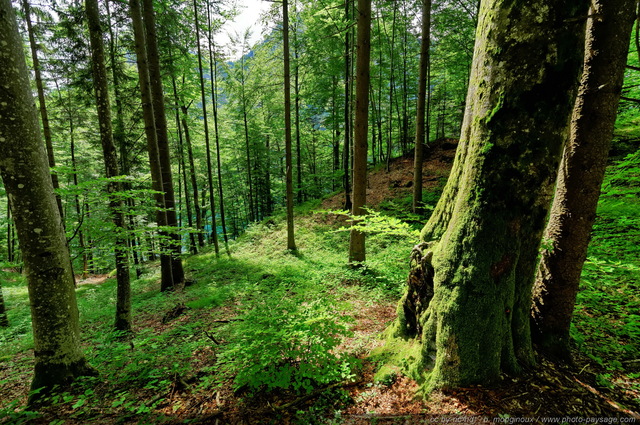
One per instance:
[(285, 342), (606, 323)]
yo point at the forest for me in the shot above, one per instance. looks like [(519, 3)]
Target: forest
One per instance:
[(371, 212)]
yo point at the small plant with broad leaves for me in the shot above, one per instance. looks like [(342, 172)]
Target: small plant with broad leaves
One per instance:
[(287, 343)]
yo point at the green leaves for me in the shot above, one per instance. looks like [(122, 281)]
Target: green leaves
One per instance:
[(286, 342)]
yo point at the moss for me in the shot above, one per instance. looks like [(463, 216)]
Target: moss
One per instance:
[(399, 354)]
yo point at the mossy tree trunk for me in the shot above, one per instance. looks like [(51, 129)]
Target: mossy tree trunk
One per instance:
[(469, 294), (581, 173), (25, 172), (116, 205)]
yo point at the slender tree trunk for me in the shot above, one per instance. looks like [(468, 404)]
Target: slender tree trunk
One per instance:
[(46, 129), (166, 262), (4, 321), (422, 127), (347, 113), (581, 173), (25, 172), (164, 153), (9, 233), (392, 83), (187, 198), (291, 243), (212, 202), (296, 87), (214, 102), (116, 206), (360, 150), (469, 291), (192, 174)]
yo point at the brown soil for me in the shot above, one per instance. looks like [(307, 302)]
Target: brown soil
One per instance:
[(397, 182)]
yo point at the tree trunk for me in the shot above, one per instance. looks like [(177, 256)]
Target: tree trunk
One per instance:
[(192, 174), (422, 128), (116, 206), (160, 120), (166, 262), (291, 243), (187, 198), (469, 293), (46, 129), (25, 172), (360, 150), (214, 104), (581, 173), (212, 201), (347, 114), (4, 321)]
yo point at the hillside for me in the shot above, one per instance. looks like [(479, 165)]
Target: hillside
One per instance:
[(222, 350)]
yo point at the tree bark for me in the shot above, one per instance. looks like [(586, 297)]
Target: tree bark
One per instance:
[(25, 172), (214, 105), (581, 174), (469, 293), (4, 321), (46, 129), (164, 153), (346, 153), (291, 242), (422, 128), (357, 251), (116, 206), (166, 262), (212, 202)]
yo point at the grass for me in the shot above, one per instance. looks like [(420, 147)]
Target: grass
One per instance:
[(260, 310), (263, 306)]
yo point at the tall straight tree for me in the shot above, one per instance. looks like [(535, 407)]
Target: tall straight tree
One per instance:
[(346, 153), (214, 231), (44, 116), (468, 299), (291, 242), (581, 173), (360, 150), (214, 105), (24, 168), (166, 261), (162, 138), (116, 205), (422, 124)]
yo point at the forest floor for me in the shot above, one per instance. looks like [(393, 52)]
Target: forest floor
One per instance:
[(192, 356)]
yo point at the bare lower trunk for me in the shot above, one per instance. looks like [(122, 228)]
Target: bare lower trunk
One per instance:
[(360, 150)]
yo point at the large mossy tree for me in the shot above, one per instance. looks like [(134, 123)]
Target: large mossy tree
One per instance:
[(469, 295)]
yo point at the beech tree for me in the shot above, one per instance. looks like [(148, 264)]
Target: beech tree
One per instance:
[(291, 242), (469, 291), (422, 125), (581, 173), (360, 150), (103, 106), (24, 167)]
